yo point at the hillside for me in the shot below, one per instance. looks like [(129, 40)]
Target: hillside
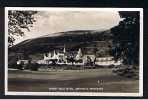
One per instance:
[(72, 40)]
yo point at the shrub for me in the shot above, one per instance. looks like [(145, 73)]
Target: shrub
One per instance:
[(34, 67), (129, 71)]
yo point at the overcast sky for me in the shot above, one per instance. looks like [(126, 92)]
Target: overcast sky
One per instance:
[(49, 22)]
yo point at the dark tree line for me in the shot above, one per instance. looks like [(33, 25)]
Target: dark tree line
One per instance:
[(126, 38)]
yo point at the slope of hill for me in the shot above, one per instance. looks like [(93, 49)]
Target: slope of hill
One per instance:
[(72, 39)]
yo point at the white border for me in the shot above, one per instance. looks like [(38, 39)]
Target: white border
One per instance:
[(74, 93)]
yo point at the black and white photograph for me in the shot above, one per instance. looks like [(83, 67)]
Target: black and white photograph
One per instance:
[(73, 51)]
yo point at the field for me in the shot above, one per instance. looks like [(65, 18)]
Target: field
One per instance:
[(43, 81)]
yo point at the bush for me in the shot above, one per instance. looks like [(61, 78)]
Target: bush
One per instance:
[(34, 67), (111, 66), (20, 67), (129, 71), (12, 66), (15, 66)]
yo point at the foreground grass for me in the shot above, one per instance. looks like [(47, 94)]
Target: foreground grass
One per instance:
[(37, 81)]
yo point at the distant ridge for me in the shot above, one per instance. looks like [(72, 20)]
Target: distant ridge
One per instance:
[(72, 32), (57, 40)]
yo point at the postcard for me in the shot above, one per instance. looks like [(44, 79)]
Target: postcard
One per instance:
[(57, 51)]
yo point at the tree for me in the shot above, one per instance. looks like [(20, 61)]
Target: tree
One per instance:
[(17, 22), (126, 38)]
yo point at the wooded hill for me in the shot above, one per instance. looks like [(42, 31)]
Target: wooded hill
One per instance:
[(72, 40)]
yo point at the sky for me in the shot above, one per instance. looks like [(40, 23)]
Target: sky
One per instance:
[(50, 22)]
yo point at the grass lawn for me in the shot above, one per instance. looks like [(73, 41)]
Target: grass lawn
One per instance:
[(42, 81)]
